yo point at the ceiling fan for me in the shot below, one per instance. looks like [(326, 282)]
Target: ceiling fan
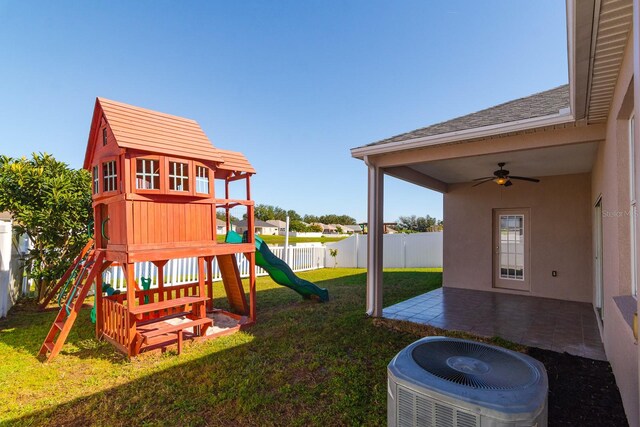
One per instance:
[(502, 177)]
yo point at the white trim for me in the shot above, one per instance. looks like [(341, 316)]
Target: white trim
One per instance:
[(178, 178), (109, 176), (571, 53), (146, 179), (95, 173), (481, 132), (202, 179)]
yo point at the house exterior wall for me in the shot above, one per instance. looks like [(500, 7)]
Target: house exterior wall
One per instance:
[(265, 231), (610, 181), (560, 232)]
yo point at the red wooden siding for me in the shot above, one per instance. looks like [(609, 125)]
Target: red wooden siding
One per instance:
[(163, 222), (117, 221)]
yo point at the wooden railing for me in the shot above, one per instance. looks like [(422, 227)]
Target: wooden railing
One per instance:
[(115, 325), (155, 295)]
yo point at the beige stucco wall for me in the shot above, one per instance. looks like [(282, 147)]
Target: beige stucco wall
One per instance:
[(610, 180), (560, 234)]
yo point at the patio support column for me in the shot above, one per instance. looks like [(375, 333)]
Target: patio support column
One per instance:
[(375, 223)]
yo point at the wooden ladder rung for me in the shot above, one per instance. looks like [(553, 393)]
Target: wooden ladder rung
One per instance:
[(49, 346), (59, 324)]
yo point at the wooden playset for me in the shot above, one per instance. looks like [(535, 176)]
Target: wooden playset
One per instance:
[(154, 200)]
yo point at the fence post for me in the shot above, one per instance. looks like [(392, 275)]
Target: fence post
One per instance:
[(404, 250)]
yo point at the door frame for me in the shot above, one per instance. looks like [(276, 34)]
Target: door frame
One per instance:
[(598, 264), (523, 284)]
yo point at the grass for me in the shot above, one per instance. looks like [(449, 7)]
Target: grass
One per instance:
[(303, 363)]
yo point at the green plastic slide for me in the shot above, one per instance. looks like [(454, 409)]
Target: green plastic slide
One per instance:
[(279, 271)]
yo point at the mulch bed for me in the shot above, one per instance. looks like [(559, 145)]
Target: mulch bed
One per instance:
[(582, 392)]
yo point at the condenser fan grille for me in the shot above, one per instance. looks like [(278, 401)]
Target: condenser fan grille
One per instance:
[(474, 365)]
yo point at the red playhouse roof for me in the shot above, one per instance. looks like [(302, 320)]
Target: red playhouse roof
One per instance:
[(146, 130)]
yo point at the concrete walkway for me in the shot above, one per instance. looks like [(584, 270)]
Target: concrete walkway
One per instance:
[(562, 326)]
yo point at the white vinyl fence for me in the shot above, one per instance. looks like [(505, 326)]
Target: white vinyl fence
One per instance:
[(10, 269), (185, 270), (399, 251)]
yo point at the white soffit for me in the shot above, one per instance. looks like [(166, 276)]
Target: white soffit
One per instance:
[(612, 27), (562, 160)]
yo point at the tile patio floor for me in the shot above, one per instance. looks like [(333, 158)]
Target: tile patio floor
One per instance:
[(562, 326)]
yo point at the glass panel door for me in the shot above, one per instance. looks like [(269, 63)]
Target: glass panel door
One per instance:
[(512, 247), (511, 254)]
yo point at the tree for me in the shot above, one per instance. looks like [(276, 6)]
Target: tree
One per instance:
[(268, 212), (263, 212), (298, 226), (222, 216), (310, 219), (416, 224), (293, 215), (330, 219), (51, 204), (317, 228)]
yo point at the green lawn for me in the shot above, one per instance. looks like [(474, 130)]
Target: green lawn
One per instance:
[(303, 363)]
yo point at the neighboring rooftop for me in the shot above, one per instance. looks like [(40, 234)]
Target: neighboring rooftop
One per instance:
[(541, 104)]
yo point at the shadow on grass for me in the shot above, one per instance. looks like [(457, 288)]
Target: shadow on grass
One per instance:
[(26, 328), (302, 363)]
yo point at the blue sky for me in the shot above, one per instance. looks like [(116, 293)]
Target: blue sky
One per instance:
[(292, 84)]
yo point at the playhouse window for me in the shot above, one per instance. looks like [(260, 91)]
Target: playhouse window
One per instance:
[(104, 136), (178, 176), (110, 175), (96, 180), (147, 174), (202, 179)]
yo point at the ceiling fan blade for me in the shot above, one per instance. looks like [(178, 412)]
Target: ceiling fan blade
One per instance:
[(524, 178), (482, 182), (484, 177), (508, 183)]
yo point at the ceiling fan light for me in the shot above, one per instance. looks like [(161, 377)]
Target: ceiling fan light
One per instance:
[(500, 180)]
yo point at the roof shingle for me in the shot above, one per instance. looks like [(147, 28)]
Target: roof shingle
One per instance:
[(147, 130), (537, 105)]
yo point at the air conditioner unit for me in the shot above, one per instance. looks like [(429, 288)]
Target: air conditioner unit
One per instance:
[(448, 382)]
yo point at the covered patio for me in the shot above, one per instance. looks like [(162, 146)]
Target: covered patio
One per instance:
[(548, 253), (550, 324)]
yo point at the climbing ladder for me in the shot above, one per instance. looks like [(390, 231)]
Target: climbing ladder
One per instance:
[(232, 283), (67, 276), (89, 268)]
